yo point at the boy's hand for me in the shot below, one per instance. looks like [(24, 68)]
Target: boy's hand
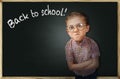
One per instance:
[(94, 64), (79, 66)]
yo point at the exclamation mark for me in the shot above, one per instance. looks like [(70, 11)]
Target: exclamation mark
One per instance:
[(65, 10)]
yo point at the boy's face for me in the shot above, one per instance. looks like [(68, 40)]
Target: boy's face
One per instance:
[(77, 28)]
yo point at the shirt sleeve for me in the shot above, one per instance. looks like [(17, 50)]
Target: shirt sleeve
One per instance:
[(95, 49), (69, 54)]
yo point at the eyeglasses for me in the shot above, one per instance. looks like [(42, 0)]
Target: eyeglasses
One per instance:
[(78, 26)]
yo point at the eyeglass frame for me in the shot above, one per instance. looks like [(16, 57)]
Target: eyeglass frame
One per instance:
[(81, 27)]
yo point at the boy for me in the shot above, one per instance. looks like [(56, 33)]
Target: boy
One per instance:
[(82, 53)]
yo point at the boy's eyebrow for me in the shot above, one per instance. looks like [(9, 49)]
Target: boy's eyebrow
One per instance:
[(70, 25), (77, 24)]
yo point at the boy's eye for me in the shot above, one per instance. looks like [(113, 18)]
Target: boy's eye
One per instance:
[(71, 27), (79, 25)]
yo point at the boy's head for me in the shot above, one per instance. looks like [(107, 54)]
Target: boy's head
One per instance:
[(77, 25)]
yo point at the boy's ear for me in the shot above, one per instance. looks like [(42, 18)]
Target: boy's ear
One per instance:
[(67, 31), (87, 28)]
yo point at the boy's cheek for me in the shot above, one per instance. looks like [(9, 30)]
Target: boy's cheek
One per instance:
[(70, 35), (68, 32)]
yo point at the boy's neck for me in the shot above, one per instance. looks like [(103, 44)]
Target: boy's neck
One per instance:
[(78, 42)]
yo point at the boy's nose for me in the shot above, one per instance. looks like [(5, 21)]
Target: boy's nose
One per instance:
[(76, 29)]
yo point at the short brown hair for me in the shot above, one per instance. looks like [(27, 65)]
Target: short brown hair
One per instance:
[(81, 14)]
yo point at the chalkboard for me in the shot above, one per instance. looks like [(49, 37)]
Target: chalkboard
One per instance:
[(34, 37)]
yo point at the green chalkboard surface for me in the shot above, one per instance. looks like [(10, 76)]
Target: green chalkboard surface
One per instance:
[(34, 37)]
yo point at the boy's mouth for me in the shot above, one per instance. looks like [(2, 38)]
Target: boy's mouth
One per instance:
[(76, 34)]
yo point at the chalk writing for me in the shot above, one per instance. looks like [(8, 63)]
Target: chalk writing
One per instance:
[(34, 14), (49, 11), (13, 22)]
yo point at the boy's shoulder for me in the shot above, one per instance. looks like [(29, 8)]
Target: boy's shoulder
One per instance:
[(69, 43), (91, 41), (87, 40)]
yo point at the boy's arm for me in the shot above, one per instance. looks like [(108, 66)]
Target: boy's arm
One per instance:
[(94, 64), (73, 66)]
